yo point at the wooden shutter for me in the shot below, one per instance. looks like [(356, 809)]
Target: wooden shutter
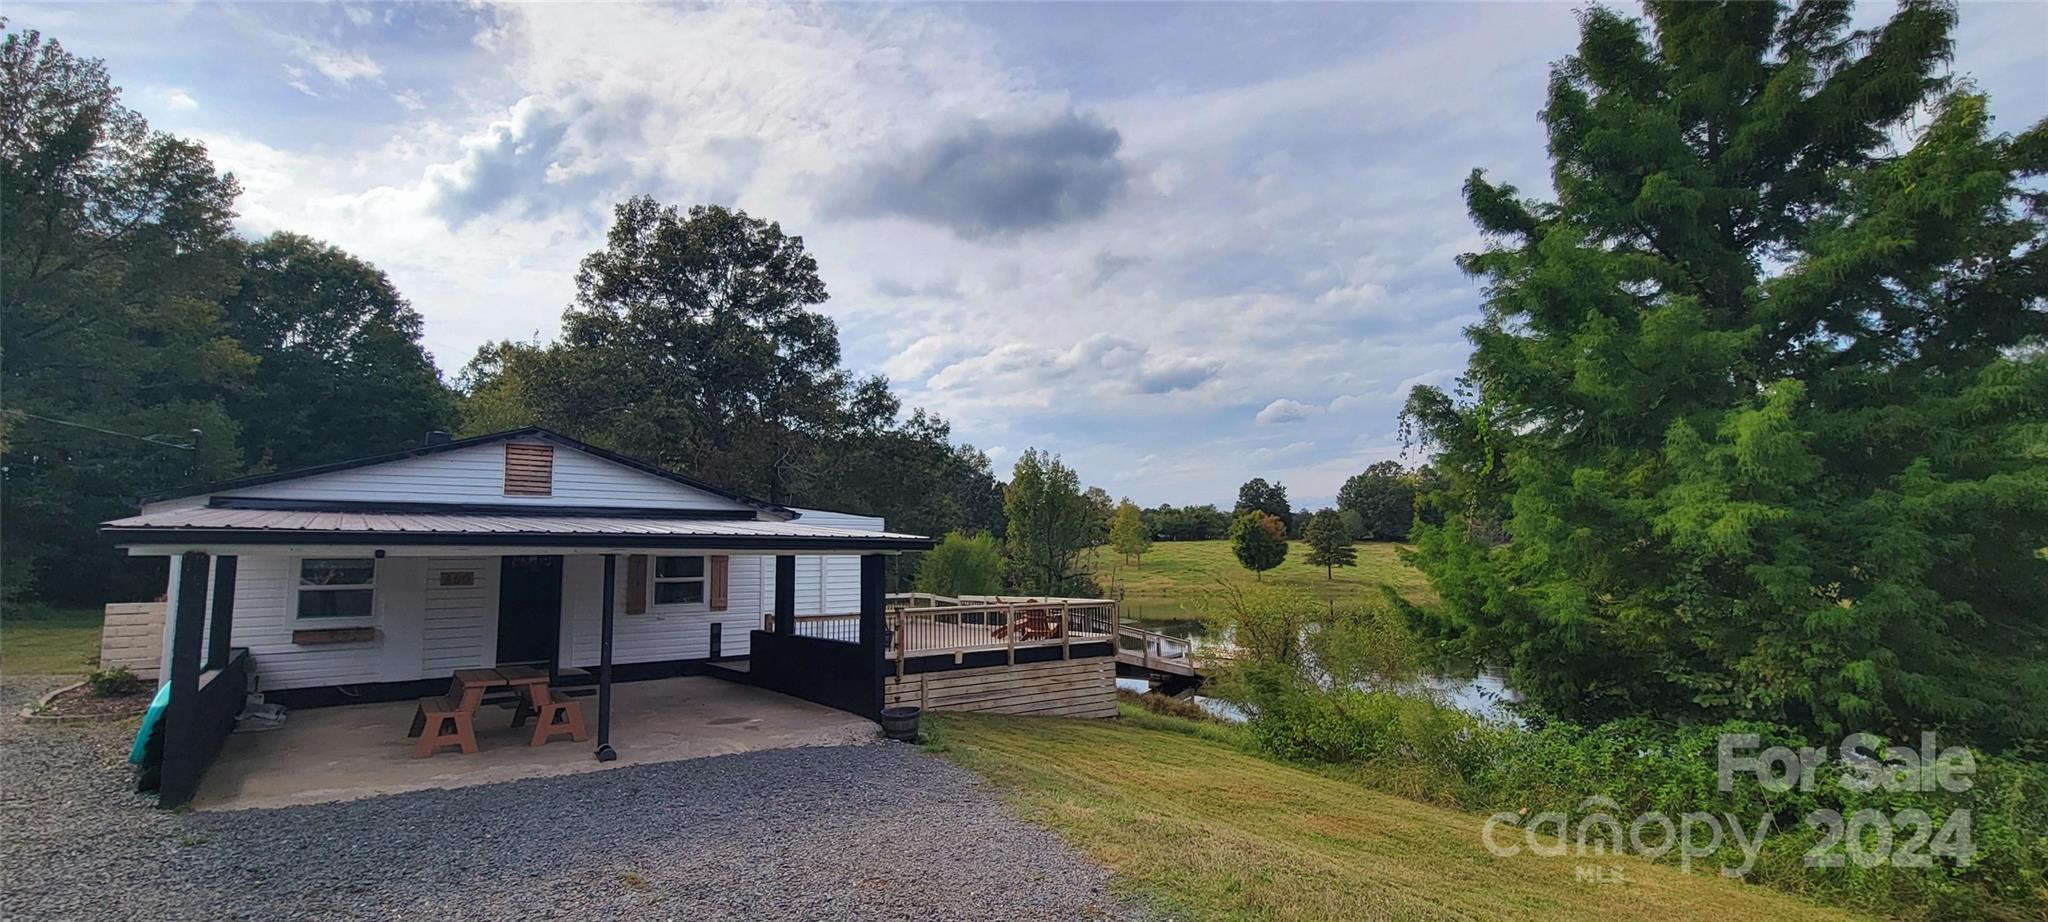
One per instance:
[(529, 469), (636, 584), (719, 566)]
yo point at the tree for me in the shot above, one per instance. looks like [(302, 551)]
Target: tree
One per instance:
[(692, 344), (1384, 498), (1354, 524), (1259, 541), (1101, 508), (1329, 543), (962, 564), (1269, 498), (1757, 399), (340, 371), (115, 256), (1186, 523), (1127, 532), (1050, 525)]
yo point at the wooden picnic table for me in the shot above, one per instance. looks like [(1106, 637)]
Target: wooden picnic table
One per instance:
[(466, 695)]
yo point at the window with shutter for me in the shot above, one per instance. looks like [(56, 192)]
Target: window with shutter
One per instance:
[(529, 469)]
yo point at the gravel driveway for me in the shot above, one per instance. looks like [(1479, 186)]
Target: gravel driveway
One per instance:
[(861, 832)]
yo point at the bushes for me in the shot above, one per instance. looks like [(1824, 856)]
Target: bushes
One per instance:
[(1428, 751), (113, 683), (1337, 702)]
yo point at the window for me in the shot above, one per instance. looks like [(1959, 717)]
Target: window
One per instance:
[(679, 580), (337, 588)]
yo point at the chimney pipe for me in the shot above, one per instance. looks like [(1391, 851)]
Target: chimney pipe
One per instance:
[(437, 437)]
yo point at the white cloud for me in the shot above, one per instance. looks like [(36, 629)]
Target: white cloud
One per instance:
[(179, 99), (341, 66), (1285, 411)]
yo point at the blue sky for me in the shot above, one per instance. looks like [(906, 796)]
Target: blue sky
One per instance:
[(1181, 245)]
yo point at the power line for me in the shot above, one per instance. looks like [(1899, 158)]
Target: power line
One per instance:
[(140, 438)]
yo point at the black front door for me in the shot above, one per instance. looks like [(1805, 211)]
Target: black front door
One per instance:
[(529, 610)]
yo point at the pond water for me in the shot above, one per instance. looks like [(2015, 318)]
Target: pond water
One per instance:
[(1481, 692)]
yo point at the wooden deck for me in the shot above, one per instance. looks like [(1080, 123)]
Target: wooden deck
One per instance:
[(930, 624)]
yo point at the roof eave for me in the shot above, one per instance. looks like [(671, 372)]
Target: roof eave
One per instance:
[(126, 536)]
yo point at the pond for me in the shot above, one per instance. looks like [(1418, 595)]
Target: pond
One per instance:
[(1483, 692)]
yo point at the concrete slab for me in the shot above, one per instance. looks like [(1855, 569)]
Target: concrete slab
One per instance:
[(347, 753)]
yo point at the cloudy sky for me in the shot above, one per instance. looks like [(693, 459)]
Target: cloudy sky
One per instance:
[(1180, 245)]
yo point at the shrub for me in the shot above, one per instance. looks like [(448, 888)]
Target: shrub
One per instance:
[(1335, 694), (962, 564), (1164, 704), (113, 683)]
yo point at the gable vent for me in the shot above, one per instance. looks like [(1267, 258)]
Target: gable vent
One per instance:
[(529, 469)]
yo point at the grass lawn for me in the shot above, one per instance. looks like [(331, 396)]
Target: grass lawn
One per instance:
[(1167, 585), (63, 641), (1208, 831)]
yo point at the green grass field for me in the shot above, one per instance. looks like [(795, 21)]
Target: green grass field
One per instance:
[(55, 642), (1198, 826), (1169, 582)]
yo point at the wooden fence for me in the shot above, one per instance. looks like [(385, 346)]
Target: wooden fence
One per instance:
[(133, 636)]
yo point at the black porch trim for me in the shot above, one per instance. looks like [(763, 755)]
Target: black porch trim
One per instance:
[(501, 509), (202, 707), (834, 673), (605, 753), (943, 662), (252, 536), (534, 432)]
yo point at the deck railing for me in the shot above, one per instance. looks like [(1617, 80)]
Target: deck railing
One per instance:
[(924, 624)]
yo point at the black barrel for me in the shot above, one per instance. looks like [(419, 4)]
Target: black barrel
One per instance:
[(900, 723)]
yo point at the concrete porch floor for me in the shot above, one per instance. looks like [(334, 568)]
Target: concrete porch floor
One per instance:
[(347, 753)]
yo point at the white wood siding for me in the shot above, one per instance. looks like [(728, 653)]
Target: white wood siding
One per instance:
[(461, 622), (664, 632), (477, 475)]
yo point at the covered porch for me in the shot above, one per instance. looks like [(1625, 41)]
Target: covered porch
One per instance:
[(206, 669), (345, 753)]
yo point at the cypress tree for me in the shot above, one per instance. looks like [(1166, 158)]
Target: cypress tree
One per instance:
[(1753, 424)]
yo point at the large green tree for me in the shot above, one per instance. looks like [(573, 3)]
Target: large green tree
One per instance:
[(1753, 423), (1259, 541), (1384, 498), (693, 343), (1329, 543), (340, 371), (1269, 498), (1128, 535), (115, 252), (1050, 526)]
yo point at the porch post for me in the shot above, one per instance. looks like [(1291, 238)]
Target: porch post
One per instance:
[(182, 763), (220, 634), (785, 595), (873, 570), (605, 752)]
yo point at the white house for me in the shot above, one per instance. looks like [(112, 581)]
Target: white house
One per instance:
[(380, 577)]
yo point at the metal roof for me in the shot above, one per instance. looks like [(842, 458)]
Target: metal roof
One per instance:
[(468, 527)]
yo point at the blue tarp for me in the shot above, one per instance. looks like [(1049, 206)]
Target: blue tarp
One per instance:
[(151, 721)]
